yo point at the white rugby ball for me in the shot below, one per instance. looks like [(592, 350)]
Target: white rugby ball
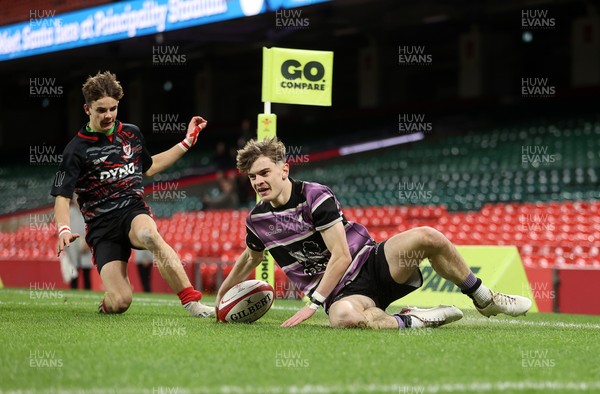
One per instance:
[(246, 302)]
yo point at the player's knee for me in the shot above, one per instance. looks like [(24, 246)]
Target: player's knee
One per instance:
[(149, 237), (431, 239), (120, 302), (345, 316)]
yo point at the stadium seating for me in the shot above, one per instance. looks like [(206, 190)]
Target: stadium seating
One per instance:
[(547, 234), (477, 188), (25, 187), (547, 162)]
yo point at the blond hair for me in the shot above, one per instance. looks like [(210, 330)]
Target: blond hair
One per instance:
[(272, 148), (101, 85)]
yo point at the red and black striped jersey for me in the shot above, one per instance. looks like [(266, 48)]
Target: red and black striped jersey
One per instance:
[(105, 171)]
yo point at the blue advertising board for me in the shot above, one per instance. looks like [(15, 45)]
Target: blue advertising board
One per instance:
[(47, 31)]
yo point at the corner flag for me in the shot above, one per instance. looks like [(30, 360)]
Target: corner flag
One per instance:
[(290, 76), (297, 76)]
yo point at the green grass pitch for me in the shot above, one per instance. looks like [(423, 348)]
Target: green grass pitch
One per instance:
[(55, 342)]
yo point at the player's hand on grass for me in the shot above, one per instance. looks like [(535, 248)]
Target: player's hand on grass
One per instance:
[(64, 240), (299, 317), (196, 125)]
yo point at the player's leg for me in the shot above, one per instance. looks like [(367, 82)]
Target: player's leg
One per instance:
[(405, 251), (118, 294), (358, 311), (144, 234), (362, 303)]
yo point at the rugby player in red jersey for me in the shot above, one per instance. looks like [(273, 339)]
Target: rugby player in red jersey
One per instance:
[(104, 164)]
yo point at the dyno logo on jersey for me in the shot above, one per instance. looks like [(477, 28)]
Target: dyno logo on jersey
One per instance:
[(117, 173)]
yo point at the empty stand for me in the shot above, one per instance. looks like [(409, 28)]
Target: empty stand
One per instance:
[(551, 234)]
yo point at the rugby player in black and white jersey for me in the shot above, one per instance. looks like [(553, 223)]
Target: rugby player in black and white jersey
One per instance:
[(104, 164)]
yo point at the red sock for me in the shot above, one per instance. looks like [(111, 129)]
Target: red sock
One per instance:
[(102, 308), (189, 294)]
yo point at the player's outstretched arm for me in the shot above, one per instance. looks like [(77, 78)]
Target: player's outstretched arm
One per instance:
[(336, 242), (164, 160), (248, 260), (63, 219)]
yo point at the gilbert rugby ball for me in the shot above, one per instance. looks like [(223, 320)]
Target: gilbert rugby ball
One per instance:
[(246, 302)]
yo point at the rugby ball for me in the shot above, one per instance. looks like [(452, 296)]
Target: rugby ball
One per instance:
[(246, 302)]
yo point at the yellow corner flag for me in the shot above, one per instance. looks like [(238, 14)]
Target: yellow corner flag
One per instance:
[(297, 76)]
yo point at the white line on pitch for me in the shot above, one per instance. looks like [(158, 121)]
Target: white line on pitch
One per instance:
[(557, 324), (477, 387)]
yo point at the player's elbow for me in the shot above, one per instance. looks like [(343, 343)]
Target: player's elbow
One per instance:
[(343, 259)]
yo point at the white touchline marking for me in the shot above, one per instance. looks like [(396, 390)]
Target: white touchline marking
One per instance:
[(557, 324), (136, 302), (477, 387)]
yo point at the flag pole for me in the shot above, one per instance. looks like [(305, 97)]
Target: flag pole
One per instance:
[(266, 128)]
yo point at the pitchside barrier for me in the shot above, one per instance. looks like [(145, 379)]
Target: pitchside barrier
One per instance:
[(499, 267)]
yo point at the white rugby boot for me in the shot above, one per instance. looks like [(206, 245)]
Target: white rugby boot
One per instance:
[(198, 309), (512, 305), (414, 317)]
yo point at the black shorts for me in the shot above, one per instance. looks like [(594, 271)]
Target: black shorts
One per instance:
[(108, 236), (374, 281)]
